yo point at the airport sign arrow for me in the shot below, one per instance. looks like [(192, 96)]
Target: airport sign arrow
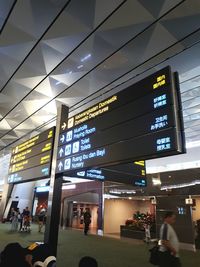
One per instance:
[(61, 152), (62, 139), (64, 125), (60, 165)]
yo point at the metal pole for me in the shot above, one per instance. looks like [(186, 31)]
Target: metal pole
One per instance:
[(54, 199)]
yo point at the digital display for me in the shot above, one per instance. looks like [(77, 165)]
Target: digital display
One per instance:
[(132, 173), (141, 122), (30, 174), (32, 159), (48, 134)]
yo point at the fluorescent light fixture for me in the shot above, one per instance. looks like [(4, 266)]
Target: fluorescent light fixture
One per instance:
[(69, 186), (169, 187), (156, 181), (192, 144), (108, 196), (174, 167), (121, 191), (80, 66), (86, 57), (57, 83), (42, 189)]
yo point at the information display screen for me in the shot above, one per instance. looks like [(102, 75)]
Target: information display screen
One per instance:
[(32, 159), (132, 173), (141, 122)]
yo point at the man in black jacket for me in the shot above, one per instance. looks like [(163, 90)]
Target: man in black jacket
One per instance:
[(87, 220)]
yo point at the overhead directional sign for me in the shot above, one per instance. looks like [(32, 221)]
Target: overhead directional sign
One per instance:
[(32, 159), (143, 121), (132, 173)]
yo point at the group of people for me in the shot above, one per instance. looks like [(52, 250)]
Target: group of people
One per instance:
[(20, 221), (14, 255), (168, 243)]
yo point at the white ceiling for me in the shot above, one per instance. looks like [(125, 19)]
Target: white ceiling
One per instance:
[(73, 52)]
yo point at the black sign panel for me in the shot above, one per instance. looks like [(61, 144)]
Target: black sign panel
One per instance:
[(48, 134), (140, 122), (38, 172), (32, 151), (32, 159), (132, 173), (31, 162)]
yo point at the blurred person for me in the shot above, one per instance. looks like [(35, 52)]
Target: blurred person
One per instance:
[(26, 218), (41, 219), (14, 219), (169, 243), (88, 262), (87, 220), (14, 255)]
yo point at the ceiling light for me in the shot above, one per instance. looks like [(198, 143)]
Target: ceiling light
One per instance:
[(192, 144), (86, 57), (68, 187), (57, 83), (156, 181), (193, 183), (80, 66)]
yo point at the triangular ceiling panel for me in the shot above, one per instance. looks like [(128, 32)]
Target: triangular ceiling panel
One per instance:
[(51, 57), (13, 35), (33, 105), (154, 7), (30, 82), (22, 50), (64, 44), (132, 12), (4, 125)]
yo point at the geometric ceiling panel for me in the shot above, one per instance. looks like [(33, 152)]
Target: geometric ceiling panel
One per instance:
[(5, 7), (24, 26), (60, 52), (4, 125)]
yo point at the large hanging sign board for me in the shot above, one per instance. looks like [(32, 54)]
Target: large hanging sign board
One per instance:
[(32, 159), (143, 121)]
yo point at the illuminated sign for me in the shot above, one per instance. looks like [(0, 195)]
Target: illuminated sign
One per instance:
[(130, 173), (141, 122), (30, 174), (40, 148), (32, 159), (33, 141)]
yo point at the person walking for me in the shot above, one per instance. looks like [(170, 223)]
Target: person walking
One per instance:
[(169, 243), (87, 220), (14, 219), (41, 219)]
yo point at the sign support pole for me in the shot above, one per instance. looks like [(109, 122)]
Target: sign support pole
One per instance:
[(54, 199)]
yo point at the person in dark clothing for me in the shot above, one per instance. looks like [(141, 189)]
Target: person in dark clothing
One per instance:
[(169, 248), (87, 220), (41, 219), (14, 255), (88, 262)]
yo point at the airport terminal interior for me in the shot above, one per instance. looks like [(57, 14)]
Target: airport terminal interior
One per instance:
[(100, 131)]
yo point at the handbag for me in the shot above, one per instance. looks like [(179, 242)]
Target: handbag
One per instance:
[(154, 255)]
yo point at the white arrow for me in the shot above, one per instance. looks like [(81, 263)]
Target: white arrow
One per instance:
[(64, 125), (61, 151), (60, 165), (62, 139)]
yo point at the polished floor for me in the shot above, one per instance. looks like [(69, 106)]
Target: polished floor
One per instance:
[(109, 251)]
